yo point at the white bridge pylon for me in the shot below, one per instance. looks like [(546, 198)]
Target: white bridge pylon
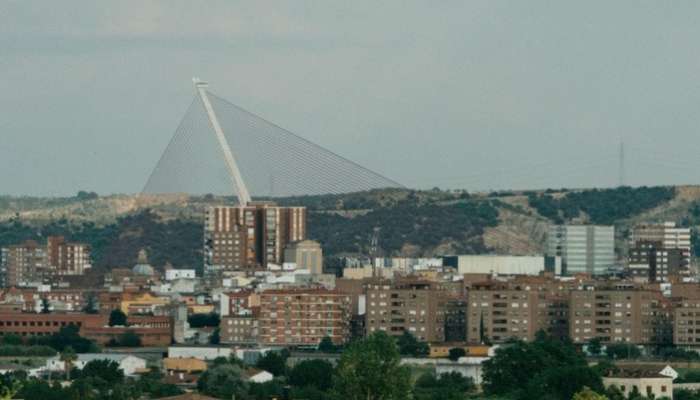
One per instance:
[(234, 173)]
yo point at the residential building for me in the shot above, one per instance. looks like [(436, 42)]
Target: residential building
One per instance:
[(239, 329), (415, 306), (238, 303), (306, 254), (249, 238), (651, 262), (623, 313), (667, 234), (498, 311), (25, 264), (584, 249), (303, 317), (66, 258)]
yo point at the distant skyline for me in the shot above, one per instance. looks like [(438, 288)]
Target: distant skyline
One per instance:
[(477, 95)]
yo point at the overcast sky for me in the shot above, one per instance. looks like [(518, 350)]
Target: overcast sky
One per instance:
[(465, 94)]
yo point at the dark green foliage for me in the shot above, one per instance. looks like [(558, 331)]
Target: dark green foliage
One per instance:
[(177, 241), (456, 353), (316, 373), (91, 305), (264, 391), (202, 320), (452, 386), (544, 369), (678, 354), (370, 369), (406, 222), (83, 195), (126, 339), (106, 370), (67, 336), (684, 394), (117, 318), (45, 306), (151, 384), (327, 346), (622, 350), (11, 339), (603, 206), (692, 376), (26, 351), (410, 346), (38, 389), (223, 381), (595, 347), (274, 362), (215, 337)]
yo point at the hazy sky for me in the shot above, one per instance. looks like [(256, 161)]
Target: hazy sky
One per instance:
[(469, 94)]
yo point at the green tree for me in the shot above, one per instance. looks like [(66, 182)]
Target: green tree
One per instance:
[(68, 356), (117, 318), (450, 386), (151, 383), (274, 362), (11, 339), (588, 394), (91, 305), (105, 370), (410, 346), (316, 373), (126, 339), (595, 347), (223, 381), (545, 368), (620, 351), (456, 353), (215, 337), (204, 320), (326, 345), (369, 369), (45, 306)]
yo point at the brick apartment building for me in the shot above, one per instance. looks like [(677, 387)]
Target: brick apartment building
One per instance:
[(651, 262), (24, 263), (625, 313), (66, 258), (302, 317), (500, 311), (418, 307), (248, 238), (239, 329)]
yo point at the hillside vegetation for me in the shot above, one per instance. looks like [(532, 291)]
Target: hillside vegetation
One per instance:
[(412, 223)]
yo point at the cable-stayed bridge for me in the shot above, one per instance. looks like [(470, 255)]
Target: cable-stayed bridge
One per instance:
[(220, 148)]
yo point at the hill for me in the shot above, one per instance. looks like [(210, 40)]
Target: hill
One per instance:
[(413, 223)]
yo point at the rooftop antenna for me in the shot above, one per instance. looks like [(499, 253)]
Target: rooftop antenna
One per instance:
[(234, 172)]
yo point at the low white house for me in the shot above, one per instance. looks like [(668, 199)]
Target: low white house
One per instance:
[(647, 381), (258, 376), (173, 274), (199, 352), (127, 363)]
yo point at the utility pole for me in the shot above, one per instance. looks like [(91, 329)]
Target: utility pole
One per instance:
[(234, 172)]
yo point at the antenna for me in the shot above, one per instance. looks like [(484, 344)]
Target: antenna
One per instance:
[(621, 170), (234, 172)]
